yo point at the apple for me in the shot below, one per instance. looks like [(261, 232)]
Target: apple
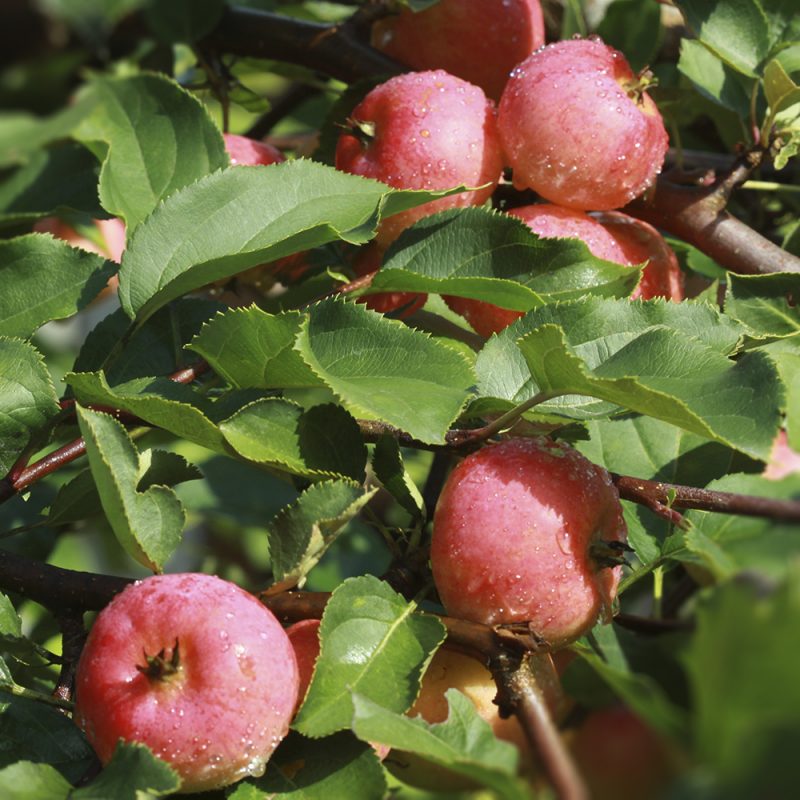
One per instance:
[(621, 757), (249, 152), (367, 261), (783, 459), (485, 318), (480, 41), (304, 636), (108, 240), (195, 668), (578, 127), (529, 530), (424, 130)]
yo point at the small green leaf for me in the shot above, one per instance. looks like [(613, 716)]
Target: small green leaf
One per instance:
[(132, 772), (324, 441), (373, 644), (10, 623), (300, 533), (159, 139), (494, 257), (463, 743), (27, 780), (381, 369), (337, 766), (387, 463), (765, 304), (45, 279), (27, 398), (148, 524), (59, 179)]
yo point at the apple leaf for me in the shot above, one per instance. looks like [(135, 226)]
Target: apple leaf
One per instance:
[(765, 304), (132, 772), (337, 766), (27, 398), (381, 369), (477, 253), (737, 31), (463, 743), (45, 279), (373, 644), (727, 544), (10, 623), (148, 524), (26, 780), (245, 216), (158, 138), (251, 348), (300, 533), (159, 401), (323, 441), (387, 464), (61, 178), (747, 699), (785, 354)]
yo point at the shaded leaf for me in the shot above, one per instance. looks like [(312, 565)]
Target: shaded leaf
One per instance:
[(27, 780), (766, 304), (387, 463)]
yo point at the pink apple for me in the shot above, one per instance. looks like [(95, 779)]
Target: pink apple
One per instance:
[(193, 667), (424, 130), (249, 152), (480, 41), (578, 128), (526, 530), (109, 243)]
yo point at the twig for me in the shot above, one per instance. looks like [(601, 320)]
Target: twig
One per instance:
[(73, 636)]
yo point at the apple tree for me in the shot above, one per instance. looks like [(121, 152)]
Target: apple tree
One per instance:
[(229, 347)]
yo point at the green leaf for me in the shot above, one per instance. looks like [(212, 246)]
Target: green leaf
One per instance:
[(159, 139), (148, 524), (747, 698), (183, 20), (477, 253), (735, 30), (245, 216), (781, 91), (10, 623), (381, 369), (373, 644), (45, 279), (300, 533), (785, 354), (765, 304), (594, 326), (56, 180), (253, 349), (26, 780), (668, 376), (714, 79), (32, 731), (633, 27), (727, 544), (387, 463), (159, 401), (27, 398), (132, 772), (463, 743), (318, 769)]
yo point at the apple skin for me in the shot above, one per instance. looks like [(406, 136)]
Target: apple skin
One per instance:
[(572, 132), (480, 41), (248, 152), (304, 636), (485, 318), (424, 130), (216, 719), (513, 533), (112, 235)]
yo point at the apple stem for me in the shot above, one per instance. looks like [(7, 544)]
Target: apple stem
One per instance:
[(161, 667)]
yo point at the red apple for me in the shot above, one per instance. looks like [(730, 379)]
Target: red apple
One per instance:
[(304, 636), (193, 667), (110, 241), (578, 128), (368, 260), (249, 152), (424, 130), (480, 41), (485, 318), (527, 530)]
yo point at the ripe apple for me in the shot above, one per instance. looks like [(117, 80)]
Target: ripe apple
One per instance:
[(424, 130), (528, 530), (480, 41), (193, 667), (783, 460), (578, 128), (485, 318), (304, 636), (108, 242), (249, 152), (621, 757)]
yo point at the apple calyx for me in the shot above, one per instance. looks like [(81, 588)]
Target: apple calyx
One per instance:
[(363, 130), (160, 667), (609, 553), (639, 84)]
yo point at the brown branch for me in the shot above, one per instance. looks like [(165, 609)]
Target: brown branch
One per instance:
[(649, 492)]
